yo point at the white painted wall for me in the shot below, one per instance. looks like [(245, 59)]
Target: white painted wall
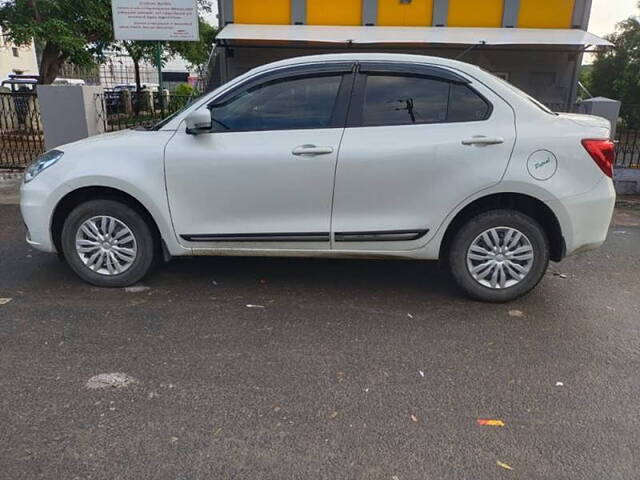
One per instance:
[(68, 113), (25, 61)]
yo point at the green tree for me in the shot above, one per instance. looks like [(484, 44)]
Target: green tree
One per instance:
[(138, 50), (196, 53), (76, 31), (616, 72)]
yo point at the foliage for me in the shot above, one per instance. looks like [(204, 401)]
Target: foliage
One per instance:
[(196, 53), (182, 95), (616, 72), (585, 81), (138, 50), (77, 31), (185, 90)]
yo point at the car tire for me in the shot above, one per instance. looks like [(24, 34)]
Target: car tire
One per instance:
[(499, 255), (118, 236)]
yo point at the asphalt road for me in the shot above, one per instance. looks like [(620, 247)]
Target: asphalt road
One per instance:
[(322, 379)]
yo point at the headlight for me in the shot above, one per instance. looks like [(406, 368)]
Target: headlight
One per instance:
[(42, 162)]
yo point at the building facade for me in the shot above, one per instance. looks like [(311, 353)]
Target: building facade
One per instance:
[(15, 59), (535, 44)]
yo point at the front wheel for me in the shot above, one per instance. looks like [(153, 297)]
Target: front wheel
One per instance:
[(107, 243), (499, 255)]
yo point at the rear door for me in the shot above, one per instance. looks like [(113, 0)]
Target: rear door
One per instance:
[(419, 140)]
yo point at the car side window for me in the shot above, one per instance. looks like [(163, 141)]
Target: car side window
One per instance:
[(403, 100), (406, 100), (282, 104), (465, 105)]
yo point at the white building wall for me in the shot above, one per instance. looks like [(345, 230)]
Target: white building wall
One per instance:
[(13, 58)]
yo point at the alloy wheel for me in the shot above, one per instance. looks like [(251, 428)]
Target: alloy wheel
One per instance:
[(106, 245), (500, 257)]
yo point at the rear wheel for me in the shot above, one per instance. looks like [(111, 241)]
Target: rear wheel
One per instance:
[(107, 243), (499, 255)]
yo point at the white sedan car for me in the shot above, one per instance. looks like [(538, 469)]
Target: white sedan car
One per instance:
[(351, 155)]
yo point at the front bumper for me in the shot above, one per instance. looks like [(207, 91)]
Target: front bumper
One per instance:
[(37, 203), (585, 218)]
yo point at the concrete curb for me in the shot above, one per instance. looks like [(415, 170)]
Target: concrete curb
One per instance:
[(10, 177), (10, 187)]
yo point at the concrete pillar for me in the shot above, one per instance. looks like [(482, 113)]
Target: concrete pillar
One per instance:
[(369, 12), (298, 12), (603, 107), (125, 99), (146, 103), (225, 12), (165, 99), (510, 13), (440, 13), (69, 113), (581, 14)]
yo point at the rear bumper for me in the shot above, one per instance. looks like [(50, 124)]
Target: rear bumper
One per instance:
[(585, 218)]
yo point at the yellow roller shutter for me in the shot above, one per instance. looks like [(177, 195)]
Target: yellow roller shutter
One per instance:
[(545, 13), (274, 12), (475, 13), (418, 13), (334, 12)]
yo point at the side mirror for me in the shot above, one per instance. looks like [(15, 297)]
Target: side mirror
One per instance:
[(198, 121)]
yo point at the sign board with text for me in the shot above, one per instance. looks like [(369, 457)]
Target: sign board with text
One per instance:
[(161, 20)]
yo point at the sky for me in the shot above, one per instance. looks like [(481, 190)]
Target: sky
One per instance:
[(604, 14)]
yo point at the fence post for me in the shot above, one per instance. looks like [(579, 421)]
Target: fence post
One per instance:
[(603, 107), (69, 113), (125, 96)]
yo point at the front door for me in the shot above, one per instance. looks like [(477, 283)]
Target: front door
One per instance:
[(418, 142), (264, 174)]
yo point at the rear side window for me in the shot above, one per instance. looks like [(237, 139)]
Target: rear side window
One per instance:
[(465, 105), (400, 100), (406, 100), (297, 103)]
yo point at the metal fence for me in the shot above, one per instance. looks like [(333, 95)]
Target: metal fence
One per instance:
[(628, 137), (125, 109), (21, 136), (628, 148), (627, 132)]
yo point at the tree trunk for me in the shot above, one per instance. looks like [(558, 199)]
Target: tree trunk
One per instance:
[(136, 96), (52, 60), (136, 69)]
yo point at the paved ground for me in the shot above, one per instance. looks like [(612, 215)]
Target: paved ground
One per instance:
[(352, 370)]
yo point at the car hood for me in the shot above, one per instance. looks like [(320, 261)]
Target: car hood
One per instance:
[(104, 138), (118, 141)]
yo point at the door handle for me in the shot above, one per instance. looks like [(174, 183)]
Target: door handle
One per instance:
[(311, 150), (482, 140)]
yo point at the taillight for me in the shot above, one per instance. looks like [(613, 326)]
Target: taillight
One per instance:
[(603, 153)]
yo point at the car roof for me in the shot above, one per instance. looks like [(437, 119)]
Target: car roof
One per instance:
[(380, 57)]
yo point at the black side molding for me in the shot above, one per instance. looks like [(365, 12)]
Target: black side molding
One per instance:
[(258, 237), (381, 236)]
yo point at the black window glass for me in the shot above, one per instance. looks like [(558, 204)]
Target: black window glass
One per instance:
[(403, 100), (280, 105), (465, 105)]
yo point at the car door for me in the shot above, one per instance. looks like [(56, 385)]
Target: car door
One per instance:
[(419, 140), (263, 176)]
